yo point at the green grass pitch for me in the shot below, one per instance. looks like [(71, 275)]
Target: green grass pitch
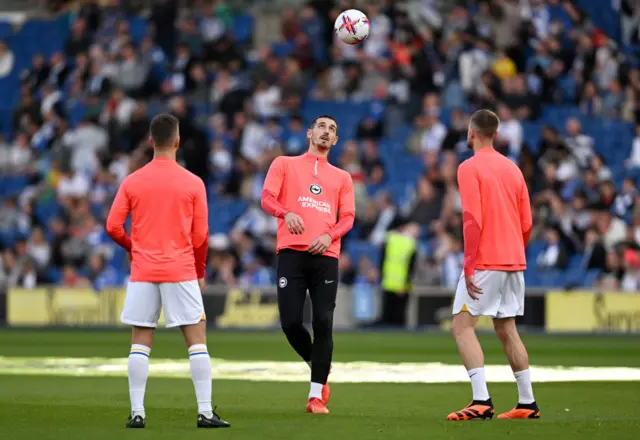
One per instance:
[(73, 408)]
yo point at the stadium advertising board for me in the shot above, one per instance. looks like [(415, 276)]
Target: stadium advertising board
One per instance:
[(554, 311), (64, 307), (434, 310), (225, 308), (580, 311)]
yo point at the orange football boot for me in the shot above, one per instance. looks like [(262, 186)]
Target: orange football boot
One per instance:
[(326, 391), (522, 411), (316, 406), (475, 410)]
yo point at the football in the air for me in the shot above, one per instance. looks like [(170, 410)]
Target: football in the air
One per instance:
[(352, 26)]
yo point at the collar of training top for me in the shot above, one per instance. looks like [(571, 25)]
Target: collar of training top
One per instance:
[(486, 150), (313, 157)]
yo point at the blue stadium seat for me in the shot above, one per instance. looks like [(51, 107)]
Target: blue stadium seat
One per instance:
[(359, 249), (243, 28)]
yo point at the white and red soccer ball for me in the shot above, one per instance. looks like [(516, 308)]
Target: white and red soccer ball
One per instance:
[(352, 26)]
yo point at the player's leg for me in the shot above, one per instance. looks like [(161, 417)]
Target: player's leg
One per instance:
[(322, 276), (466, 311), (183, 307), (512, 305), (292, 293), (141, 310)]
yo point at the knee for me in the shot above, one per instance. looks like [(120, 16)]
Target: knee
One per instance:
[(505, 330), (291, 325), (322, 325), (502, 334), (459, 327)]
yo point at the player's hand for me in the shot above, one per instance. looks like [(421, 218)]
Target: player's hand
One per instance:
[(294, 223), (320, 244), (472, 288), (202, 284)]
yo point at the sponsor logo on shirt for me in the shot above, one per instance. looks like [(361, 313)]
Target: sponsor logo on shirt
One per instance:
[(318, 205), (315, 189)]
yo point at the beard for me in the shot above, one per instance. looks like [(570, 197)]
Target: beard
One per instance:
[(322, 144)]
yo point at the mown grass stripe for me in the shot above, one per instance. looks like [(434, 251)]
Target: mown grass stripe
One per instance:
[(352, 372)]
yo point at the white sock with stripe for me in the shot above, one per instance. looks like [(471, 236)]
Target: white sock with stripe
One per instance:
[(200, 363), (138, 372)]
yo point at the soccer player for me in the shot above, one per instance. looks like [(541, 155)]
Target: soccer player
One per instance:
[(168, 250), (496, 228), (315, 206)]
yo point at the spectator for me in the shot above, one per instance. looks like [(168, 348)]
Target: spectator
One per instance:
[(132, 72), (634, 159), (72, 185), (79, 40), (267, 100), (624, 201), (37, 74), (163, 17), (396, 277), (503, 67), (7, 60), (591, 103), (613, 100), (613, 229), (387, 218), (16, 158), (510, 135), (58, 72), (372, 165), (434, 133), (12, 221), (101, 276), (595, 255), (580, 145), (554, 255), (180, 78), (426, 205), (212, 28), (290, 27), (39, 250)]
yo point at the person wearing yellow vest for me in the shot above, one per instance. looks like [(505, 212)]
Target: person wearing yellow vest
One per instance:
[(397, 266)]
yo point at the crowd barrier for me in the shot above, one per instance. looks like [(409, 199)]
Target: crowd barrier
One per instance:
[(545, 310)]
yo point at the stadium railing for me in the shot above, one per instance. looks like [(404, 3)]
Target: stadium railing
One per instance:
[(551, 311)]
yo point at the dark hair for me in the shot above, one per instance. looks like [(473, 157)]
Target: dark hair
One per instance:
[(315, 120), (164, 130), (485, 122)]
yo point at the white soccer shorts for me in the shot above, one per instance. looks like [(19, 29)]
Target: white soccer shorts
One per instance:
[(502, 295), (181, 303)]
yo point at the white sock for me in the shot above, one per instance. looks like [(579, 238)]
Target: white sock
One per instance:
[(138, 371), (478, 384), (316, 391), (525, 390), (200, 363)]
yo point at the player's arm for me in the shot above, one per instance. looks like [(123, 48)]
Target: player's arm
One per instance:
[(526, 221), (271, 190), (118, 216), (469, 187), (200, 229), (346, 210)]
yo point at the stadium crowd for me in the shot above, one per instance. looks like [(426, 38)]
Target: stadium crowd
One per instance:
[(418, 67)]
